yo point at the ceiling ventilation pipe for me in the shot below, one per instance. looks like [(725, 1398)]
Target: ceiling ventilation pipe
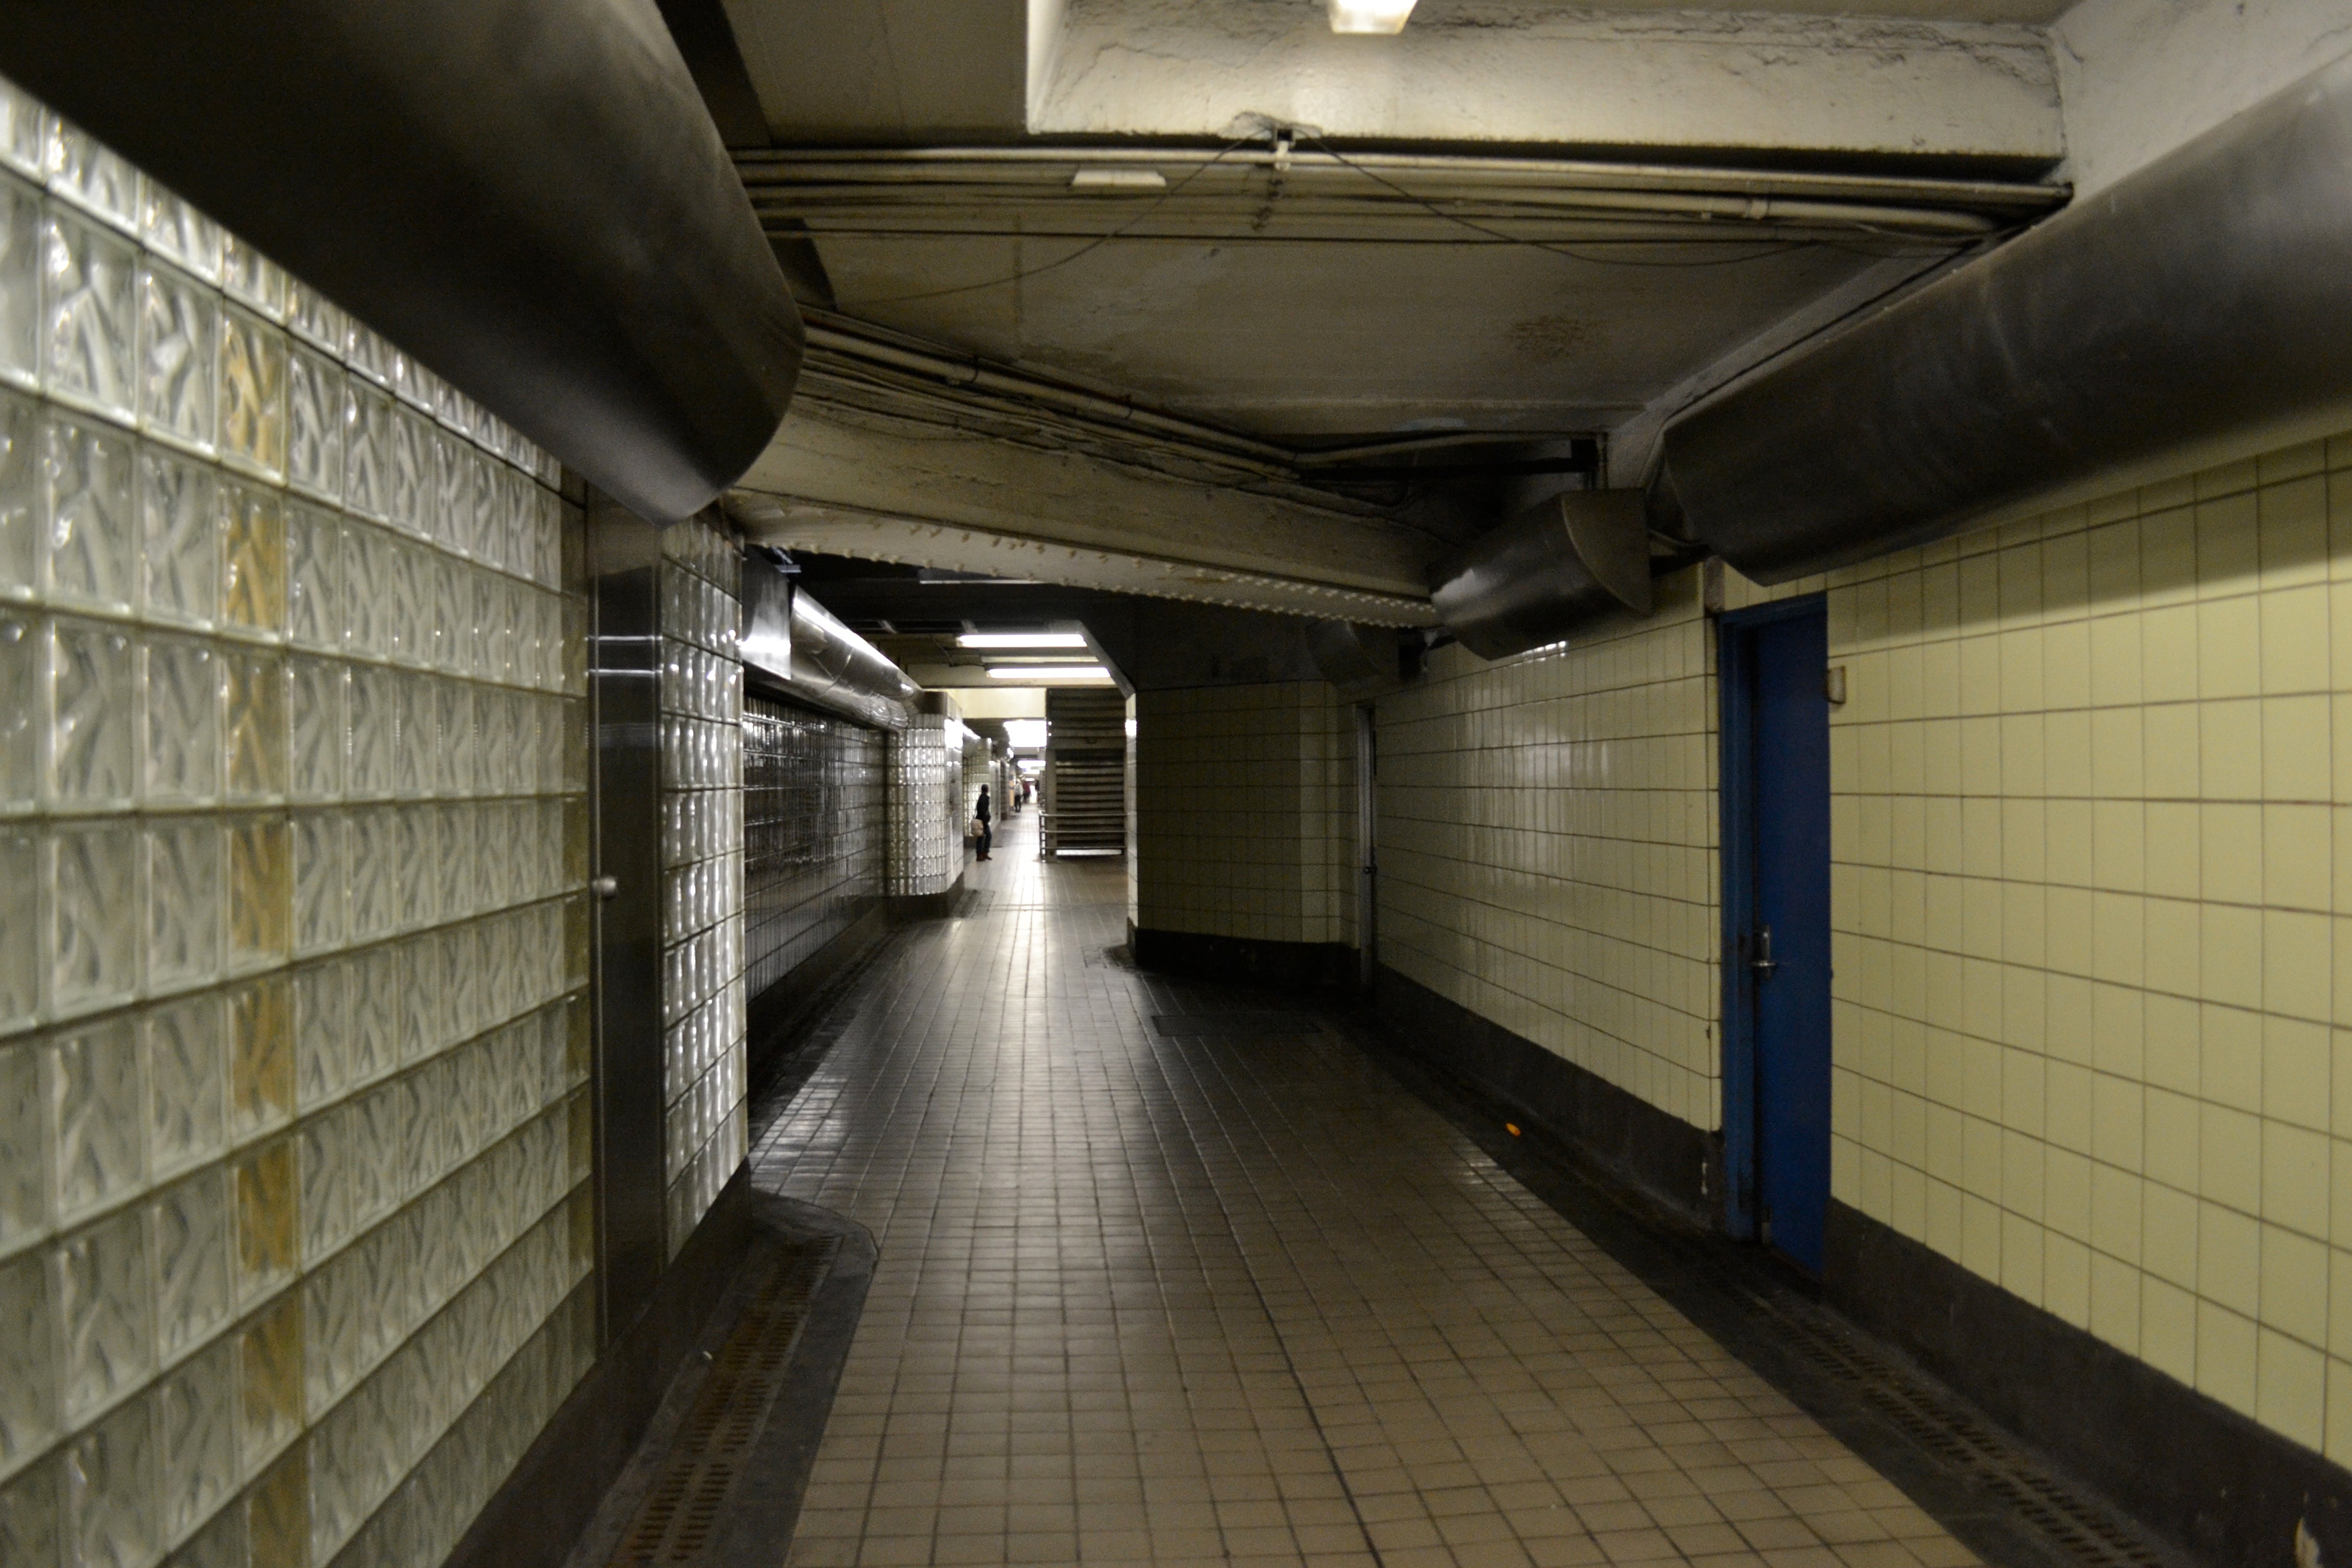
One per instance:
[(527, 195), (803, 646), (1559, 565), (2192, 313)]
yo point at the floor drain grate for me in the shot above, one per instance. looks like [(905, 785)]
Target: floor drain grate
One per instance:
[(2082, 1530), (680, 1516)]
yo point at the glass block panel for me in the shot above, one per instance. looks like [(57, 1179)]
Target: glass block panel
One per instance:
[(28, 1362), (183, 750), (179, 531), (368, 451), (322, 1032), (112, 1489), (316, 714), (278, 1513), (252, 394), (99, 1119), (314, 568), (90, 174), (92, 523), (253, 550), (20, 283), (413, 491), (252, 277), (20, 709), (254, 732), (190, 1236), (174, 228), (90, 317), (321, 920), (24, 1157), (24, 131), (184, 903), (270, 1364), (314, 424), (103, 1305), (92, 720), (179, 335), (260, 890), (187, 1082), (21, 493), (314, 317), (321, 1155), (196, 1435), (265, 1234), (93, 925), (374, 724)]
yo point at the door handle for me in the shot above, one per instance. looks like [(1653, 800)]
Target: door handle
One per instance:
[(1762, 963)]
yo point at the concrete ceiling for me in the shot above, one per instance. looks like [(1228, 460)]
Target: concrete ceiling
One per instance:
[(1291, 293)]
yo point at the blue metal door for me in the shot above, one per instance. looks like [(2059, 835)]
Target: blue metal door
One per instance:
[(1780, 942)]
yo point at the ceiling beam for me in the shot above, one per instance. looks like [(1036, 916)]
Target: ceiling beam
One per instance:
[(860, 482)]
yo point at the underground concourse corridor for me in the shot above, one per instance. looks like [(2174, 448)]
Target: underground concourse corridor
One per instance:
[(1165, 1288)]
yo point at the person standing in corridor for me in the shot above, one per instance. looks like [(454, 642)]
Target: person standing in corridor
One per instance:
[(981, 813)]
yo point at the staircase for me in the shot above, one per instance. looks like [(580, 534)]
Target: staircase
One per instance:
[(1085, 772)]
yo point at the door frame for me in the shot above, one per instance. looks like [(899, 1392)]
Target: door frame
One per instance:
[(1736, 790)]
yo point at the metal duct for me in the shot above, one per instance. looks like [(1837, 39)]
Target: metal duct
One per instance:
[(800, 645), (1361, 660), (1562, 564), (2190, 313), (527, 195)]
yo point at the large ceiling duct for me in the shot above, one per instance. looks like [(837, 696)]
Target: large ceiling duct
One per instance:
[(2190, 313), (1562, 564), (803, 647), (527, 195)]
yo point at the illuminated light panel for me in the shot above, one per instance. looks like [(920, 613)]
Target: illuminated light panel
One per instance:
[(1024, 734), (1370, 15), (1022, 639), (1048, 672)]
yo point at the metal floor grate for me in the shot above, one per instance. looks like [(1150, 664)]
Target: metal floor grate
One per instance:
[(681, 1511), (2081, 1529)]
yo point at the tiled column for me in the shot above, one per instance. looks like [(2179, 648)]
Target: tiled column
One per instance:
[(702, 869)]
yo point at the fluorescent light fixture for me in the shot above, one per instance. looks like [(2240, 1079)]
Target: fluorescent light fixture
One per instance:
[(1022, 639), (1120, 182), (1048, 672), (1026, 734), (1370, 15)]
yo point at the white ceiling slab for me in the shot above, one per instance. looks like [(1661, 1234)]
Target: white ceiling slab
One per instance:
[(1628, 76)]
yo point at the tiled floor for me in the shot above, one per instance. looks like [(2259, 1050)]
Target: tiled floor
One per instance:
[(1168, 1299)]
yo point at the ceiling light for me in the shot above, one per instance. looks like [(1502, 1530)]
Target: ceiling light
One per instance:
[(1370, 15), (1026, 734), (1048, 672), (1022, 639), (1125, 182)]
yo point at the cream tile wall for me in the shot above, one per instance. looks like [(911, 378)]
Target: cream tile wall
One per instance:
[(2093, 870), (1546, 848), (1244, 819), (293, 1227), (703, 997)]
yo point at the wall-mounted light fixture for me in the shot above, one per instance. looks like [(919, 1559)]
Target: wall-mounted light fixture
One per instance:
[(1370, 15), (1048, 672)]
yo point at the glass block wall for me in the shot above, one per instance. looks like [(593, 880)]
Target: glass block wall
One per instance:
[(813, 821), (926, 850), (293, 1222), (702, 868)]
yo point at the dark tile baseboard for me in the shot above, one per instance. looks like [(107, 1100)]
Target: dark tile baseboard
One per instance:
[(2226, 1488), (1242, 960), (1627, 1139)]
